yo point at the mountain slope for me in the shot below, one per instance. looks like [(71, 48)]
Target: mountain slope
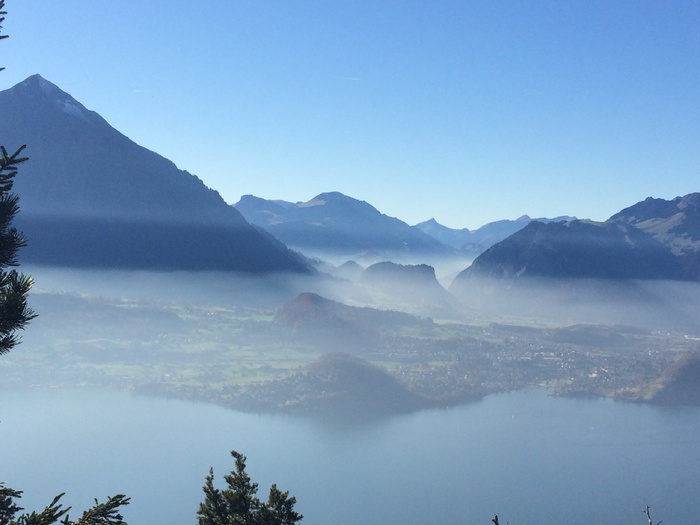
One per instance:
[(675, 223), (92, 197)]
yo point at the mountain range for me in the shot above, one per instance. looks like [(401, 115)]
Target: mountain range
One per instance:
[(337, 226), (91, 197)]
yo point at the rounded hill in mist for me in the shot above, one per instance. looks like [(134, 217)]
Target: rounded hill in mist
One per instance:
[(337, 385)]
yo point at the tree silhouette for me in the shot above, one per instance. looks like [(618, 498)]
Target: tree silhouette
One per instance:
[(238, 503), (14, 286), (101, 514)]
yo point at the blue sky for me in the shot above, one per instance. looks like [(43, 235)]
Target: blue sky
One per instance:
[(466, 111)]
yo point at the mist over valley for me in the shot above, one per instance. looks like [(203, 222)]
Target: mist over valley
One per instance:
[(213, 307)]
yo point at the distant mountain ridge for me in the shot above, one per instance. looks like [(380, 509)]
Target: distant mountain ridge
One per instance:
[(91, 197), (477, 241), (337, 224)]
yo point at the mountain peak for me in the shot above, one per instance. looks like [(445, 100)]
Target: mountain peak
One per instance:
[(692, 200), (93, 197), (37, 90), (38, 85), (338, 201), (331, 197), (36, 80), (248, 198)]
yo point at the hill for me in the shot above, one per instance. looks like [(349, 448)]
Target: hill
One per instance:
[(408, 287), (679, 384), (336, 384), (335, 326), (91, 197)]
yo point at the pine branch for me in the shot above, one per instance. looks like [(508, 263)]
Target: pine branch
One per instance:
[(8, 167), (8, 508), (103, 513), (50, 515), (14, 311), (648, 515), (2, 19)]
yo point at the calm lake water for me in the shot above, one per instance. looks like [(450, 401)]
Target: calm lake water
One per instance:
[(528, 457)]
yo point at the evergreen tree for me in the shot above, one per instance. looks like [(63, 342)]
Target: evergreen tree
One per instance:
[(239, 505), (14, 286), (279, 509)]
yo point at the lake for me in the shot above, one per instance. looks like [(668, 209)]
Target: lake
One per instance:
[(528, 457)]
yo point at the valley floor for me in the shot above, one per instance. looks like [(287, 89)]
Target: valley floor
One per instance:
[(245, 358)]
